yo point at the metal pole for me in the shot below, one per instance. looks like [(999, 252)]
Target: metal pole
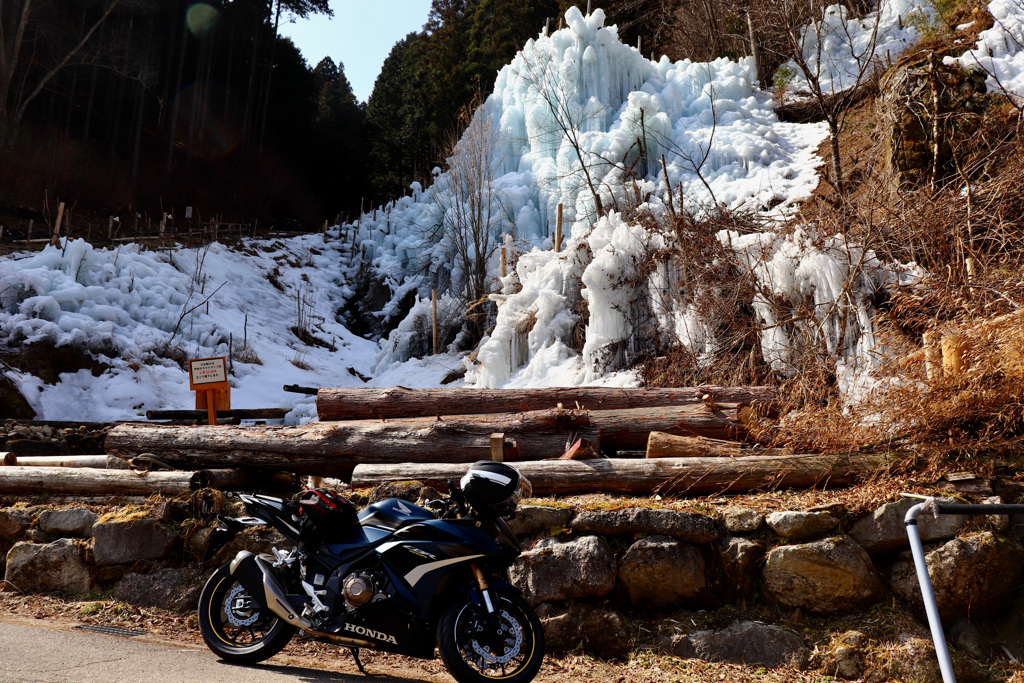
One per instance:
[(930, 607)]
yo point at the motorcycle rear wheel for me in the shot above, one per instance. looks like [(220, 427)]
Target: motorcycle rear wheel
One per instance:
[(472, 658), (234, 626)]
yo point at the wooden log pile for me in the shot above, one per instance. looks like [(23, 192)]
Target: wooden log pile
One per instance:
[(695, 440)]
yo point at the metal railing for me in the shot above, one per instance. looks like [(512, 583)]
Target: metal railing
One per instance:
[(936, 507)]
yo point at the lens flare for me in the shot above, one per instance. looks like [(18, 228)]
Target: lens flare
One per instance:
[(201, 17)]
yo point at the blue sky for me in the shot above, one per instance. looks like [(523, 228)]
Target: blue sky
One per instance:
[(359, 36)]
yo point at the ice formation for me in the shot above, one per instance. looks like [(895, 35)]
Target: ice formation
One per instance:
[(576, 119)]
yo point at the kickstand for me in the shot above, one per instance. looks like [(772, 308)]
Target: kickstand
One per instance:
[(355, 656)]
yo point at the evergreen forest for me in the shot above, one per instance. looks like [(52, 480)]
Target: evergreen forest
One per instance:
[(116, 106)]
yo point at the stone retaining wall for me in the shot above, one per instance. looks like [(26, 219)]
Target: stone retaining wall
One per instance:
[(594, 575)]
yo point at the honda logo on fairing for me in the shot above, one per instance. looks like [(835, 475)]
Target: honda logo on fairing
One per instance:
[(402, 508), (379, 635)]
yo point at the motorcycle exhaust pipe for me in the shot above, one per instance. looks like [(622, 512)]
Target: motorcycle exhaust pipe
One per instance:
[(256, 577)]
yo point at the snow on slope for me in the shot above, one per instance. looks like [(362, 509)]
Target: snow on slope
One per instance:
[(576, 114), (1000, 50), (135, 309)]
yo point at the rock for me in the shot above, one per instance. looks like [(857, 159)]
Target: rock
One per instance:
[(972, 577), (847, 659), (167, 588), (967, 636), (557, 570), (884, 531), (532, 519), (686, 526), (831, 576), (736, 558), (406, 490), (739, 520), (37, 536), (744, 642), (12, 527), (596, 631), (661, 572), (127, 541), (801, 526), (53, 567), (915, 660), (1000, 523), (74, 522)]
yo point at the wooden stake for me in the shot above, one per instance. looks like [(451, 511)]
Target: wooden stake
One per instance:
[(498, 446), (325, 230), (56, 227), (668, 186), (433, 303), (932, 355), (953, 354), (28, 235), (755, 49), (504, 262), (558, 229), (110, 227)]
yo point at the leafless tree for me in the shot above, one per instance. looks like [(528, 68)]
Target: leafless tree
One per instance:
[(805, 28), (472, 212), (28, 61)]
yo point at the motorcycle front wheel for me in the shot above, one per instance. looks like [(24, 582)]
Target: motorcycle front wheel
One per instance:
[(236, 628), (473, 654)]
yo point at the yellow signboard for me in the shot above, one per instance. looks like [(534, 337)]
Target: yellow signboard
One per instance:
[(208, 377)]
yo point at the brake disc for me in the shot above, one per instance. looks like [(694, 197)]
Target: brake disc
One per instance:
[(513, 627), (238, 606)]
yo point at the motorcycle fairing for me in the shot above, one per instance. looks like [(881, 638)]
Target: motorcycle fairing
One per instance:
[(392, 513)]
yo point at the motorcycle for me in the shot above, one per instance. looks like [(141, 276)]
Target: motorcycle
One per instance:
[(395, 577)]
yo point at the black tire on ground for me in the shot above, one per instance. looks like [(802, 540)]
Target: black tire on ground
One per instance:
[(234, 627), (475, 661)]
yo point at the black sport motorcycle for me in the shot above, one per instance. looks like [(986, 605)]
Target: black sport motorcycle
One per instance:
[(394, 577)]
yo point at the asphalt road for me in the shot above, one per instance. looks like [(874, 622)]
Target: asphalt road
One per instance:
[(35, 651)]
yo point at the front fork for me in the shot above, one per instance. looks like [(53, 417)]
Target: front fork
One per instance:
[(494, 635)]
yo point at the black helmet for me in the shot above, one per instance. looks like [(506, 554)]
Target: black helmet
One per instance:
[(494, 487)]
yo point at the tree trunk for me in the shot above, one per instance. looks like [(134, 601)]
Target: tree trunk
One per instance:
[(334, 448), (694, 476), (362, 404)]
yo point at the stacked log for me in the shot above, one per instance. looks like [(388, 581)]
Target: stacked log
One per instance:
[(695, 476), (394, 402), (335, 448)]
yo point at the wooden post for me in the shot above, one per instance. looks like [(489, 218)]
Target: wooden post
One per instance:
[(558, 228), (28, 235), (668, 186), (163, 223), (504, 262), (755, 49), (498, 446), (325, 230), (932, 355), (433, 303), (110, 227), (56, 227), (953, 354)]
